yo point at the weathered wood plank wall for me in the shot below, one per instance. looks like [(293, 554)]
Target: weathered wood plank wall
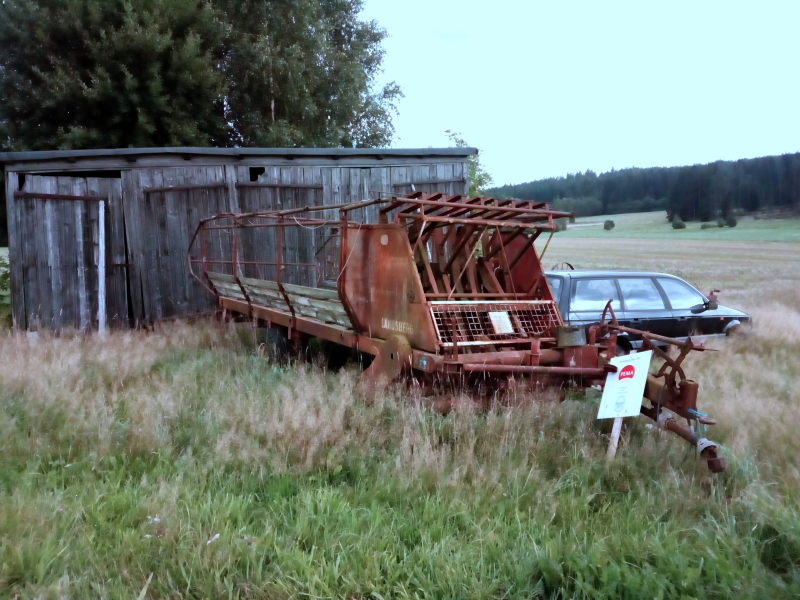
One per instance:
[(150, 214), (54, 252), (165, 208)]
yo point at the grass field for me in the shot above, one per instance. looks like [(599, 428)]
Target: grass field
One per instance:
[(655, 225), (181, 464)]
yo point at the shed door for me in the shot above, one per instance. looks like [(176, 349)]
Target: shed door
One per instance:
[(159, 227), (58, 255)]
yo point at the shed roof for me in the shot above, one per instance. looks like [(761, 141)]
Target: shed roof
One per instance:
[(132, 154)]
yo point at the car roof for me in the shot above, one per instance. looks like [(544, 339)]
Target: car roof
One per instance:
[(578, 273)]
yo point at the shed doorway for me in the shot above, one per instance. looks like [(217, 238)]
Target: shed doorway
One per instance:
[(71, 260)]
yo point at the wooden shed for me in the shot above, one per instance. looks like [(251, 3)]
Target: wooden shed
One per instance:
[(99, 237)]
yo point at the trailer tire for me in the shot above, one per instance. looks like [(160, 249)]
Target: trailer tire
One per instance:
[(275, 343)]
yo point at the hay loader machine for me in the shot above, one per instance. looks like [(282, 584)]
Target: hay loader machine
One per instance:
[(440, 288)]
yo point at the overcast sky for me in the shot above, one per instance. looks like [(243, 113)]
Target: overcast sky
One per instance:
[(546, 88)]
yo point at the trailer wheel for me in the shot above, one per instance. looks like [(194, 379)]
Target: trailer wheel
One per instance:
[(275, 343)]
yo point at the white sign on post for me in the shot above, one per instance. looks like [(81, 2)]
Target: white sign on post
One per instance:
[(622, 395)]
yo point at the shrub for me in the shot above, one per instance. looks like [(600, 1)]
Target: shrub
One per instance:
[(5, 280), (707, 225), (720, 222), (608, 225), (731, 221), (5, 293), (677, 223)]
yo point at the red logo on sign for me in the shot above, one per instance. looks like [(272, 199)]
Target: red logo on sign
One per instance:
[(627, 372)]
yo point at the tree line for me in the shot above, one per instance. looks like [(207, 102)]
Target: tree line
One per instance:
[(113, 73), (698, 192)]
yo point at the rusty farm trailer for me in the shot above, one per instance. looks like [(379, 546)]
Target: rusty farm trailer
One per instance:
[(441, 288)]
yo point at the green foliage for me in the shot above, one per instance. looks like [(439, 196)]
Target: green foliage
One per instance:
[(731, 221), (677, 223), (109, 73), (582, 206), (478, 178), (608, 225), (629, 205), (720, 222), (707, 225), (302, 73), (5, 277), (114, 73)]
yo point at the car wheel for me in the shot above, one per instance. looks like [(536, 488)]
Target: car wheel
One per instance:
[(733, 328)]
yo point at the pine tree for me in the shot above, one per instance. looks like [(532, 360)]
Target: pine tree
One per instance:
[(106, 73)]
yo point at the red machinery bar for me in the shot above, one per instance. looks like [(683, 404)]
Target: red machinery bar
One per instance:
[(540, 370)]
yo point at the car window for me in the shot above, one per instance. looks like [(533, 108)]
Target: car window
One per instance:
[(640, 293), (555, 286), (681, 295), (593, 294)]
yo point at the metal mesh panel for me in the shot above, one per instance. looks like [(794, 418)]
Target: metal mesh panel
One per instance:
[(474, 323)]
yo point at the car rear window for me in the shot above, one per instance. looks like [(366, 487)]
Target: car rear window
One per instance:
[(555, 287), (593, 294), (680, 294), (640, 293)]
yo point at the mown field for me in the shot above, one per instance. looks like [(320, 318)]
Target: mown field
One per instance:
[(181, 464), (654, 224)]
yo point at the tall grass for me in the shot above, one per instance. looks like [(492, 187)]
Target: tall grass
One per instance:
[(180, 463)]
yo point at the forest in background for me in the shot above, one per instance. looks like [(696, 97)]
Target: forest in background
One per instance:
[(692, 193)]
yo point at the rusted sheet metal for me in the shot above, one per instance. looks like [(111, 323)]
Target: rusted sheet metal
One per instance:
[(381, 285), (444, 286)]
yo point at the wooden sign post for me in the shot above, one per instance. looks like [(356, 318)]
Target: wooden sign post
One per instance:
[(622, 394), (612, 443)]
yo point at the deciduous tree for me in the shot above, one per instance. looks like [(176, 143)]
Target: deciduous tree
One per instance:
[(478, 177), (302, 72)]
